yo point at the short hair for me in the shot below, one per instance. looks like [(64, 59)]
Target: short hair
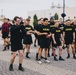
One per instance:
[(68, 20), (45, 19), (15, 18)]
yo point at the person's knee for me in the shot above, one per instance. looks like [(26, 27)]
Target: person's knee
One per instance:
[(14, 55), (21, 54), (67, 46)]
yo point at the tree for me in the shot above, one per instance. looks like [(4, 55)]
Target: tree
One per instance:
[(56, 16), (35, 19)]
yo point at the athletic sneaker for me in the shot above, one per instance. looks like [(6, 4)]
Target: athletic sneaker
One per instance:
[(11, 68), (40, 62), (74, 56), (68, 56), (21, 68), (55, 59), (47, 61), (61, 59), (28, 57)]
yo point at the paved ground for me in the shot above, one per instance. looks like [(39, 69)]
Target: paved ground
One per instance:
[(67, 67)]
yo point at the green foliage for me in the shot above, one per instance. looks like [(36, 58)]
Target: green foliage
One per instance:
[(35, 19), (56, 16)]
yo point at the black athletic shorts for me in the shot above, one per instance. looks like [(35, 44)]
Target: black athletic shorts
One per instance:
[(15, 46), (44, 43), (27, 40), (68, 41), (58, 43), (4, 35)]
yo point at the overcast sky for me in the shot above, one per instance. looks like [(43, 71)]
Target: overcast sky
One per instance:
[(12, 8)]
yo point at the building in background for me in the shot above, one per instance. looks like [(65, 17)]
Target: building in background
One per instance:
[(70, 12)]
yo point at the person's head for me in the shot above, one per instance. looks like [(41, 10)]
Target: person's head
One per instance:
[(17, 20), (45, 21), (68, 22), (60, 21), (40, 21), (75, 22), (56, 24), (52, 19), (6, 20), (27, 21), (21, 18)]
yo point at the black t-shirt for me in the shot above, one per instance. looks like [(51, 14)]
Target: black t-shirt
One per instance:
[(51, 25), (57, 33), (43, 29), (27, 28), (69, 32), (61, 26), (17, 33), (37, 28)]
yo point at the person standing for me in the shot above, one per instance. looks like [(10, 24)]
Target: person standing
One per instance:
[(27, 40), (51, 26), (5, 33), (16, 32), (69, 33), (57, 37), (44, 33)]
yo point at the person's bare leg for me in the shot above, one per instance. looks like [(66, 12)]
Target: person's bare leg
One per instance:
[(21, 54), (35, 42), (5, 44), (45, 53), (12, 61), (60, 53), (73, 51), (40, 53), (28, 51), (37, 52), (68, 51)]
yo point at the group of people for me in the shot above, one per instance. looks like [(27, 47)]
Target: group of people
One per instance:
[(49, 35)]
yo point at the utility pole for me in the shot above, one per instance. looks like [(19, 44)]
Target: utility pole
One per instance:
[(63, 9)]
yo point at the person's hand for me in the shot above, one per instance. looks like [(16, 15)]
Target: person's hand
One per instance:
[(28, 33), (54, 42), (47, 36), (73, 40)]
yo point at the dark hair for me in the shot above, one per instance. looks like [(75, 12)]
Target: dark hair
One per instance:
[(45, 19), (15, 18), (6, 19), (68, 20), (13, 21)]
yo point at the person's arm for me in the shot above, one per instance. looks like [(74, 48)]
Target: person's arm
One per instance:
[(62, 38), (53, 39), (49, 35), (14, 28), (39, 33), (74, 37)]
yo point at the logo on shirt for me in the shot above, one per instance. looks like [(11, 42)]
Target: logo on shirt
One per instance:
[(27, 28), (51, 25), (58, 30), (69, 29), (46, 29)]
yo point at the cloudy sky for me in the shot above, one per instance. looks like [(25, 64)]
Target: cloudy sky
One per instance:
[(12, 8)]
